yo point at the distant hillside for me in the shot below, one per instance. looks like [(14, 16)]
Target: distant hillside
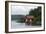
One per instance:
[(16, 17)]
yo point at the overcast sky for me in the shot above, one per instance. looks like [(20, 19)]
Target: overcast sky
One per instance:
[(21, 10)]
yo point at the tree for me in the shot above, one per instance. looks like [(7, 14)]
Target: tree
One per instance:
[(37, 14)]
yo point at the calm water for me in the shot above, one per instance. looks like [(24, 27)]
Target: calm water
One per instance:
[(20, 25)]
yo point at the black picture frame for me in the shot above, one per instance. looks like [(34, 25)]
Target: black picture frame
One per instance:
[(6, 16)]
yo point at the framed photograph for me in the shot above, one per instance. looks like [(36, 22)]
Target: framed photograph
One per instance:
[(24, 16)]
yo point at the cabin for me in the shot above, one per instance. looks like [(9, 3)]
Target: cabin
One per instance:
[(28, 20)]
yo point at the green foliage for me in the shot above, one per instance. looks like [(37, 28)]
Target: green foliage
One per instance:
[(37, 14)]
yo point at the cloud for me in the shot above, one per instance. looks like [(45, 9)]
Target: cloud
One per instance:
[(21, 10)]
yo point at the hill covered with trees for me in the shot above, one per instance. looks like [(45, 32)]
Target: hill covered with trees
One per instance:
[(37, 16)]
